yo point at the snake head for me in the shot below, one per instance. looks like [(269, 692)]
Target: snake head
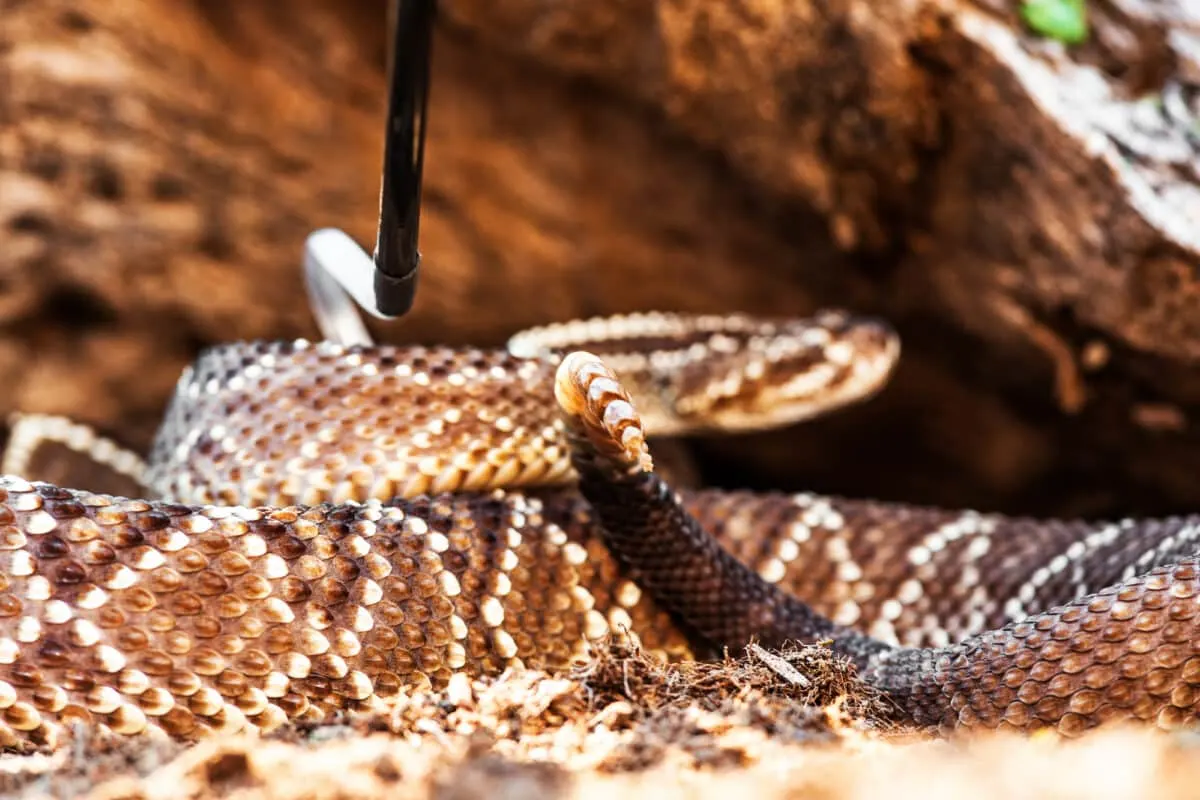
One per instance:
[(713, 373), (765, 374)]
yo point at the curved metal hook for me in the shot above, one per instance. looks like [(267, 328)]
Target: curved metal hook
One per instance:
[(336, 269)]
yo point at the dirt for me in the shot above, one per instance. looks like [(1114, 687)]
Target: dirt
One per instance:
[(799, 724)]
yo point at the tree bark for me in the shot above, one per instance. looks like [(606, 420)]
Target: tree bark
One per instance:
[(1027, 214)]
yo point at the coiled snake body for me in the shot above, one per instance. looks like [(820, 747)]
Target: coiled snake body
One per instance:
[(339, 524)]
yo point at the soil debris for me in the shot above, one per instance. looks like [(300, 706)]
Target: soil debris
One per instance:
[(795, 723)]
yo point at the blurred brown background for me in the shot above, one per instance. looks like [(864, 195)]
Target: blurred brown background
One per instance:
[(1028, 216)]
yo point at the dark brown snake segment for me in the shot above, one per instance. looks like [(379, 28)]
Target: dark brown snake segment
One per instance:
[(185, 619)]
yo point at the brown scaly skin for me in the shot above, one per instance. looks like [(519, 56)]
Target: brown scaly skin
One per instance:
[(273, 423), (1128, 651), (183, 620), (926, 577)]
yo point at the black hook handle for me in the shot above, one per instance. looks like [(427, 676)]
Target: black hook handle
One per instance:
[(397, 259), (339, 275)]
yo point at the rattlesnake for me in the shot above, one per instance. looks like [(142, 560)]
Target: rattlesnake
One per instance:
[(186, 619), (155, 615)]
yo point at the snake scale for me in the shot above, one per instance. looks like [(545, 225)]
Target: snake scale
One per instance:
[(328, 526)]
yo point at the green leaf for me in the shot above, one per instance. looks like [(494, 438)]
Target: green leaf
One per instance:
[(1064, 20)]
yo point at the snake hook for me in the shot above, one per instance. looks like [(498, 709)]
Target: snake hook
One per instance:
[(339, 274)]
